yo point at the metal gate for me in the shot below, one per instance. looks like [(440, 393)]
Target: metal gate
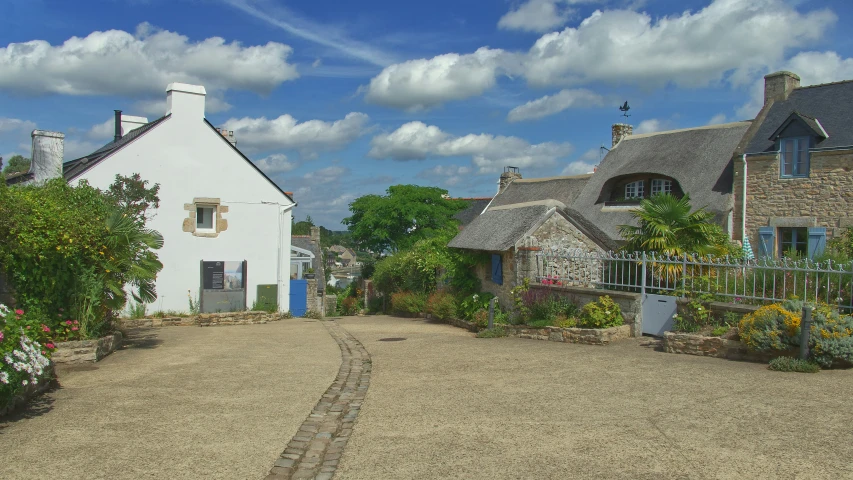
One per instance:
[(298, 297), (658, 311)]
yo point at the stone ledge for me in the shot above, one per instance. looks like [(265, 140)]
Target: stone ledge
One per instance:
[(86, 350), (47, 382), (587, 336), (690, 344), (205, 320)]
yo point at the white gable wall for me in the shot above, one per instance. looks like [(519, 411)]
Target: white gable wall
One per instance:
[(189, 160)]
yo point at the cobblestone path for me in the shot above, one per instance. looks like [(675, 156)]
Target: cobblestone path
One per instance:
[(315, 450)]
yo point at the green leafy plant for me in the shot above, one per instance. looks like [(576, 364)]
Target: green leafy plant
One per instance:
[(408, 303), (496, 332), (720, 331), (789, 364), (695, 315), (195, 304), (262, 305), (473, 303), (604, 313), (441, 305), (567, 322), (349, 306), (136, 309)]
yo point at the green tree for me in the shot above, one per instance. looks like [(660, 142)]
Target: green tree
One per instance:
[(17, 164), (303, 227), (667, 226), (133, 196), (396, 221)]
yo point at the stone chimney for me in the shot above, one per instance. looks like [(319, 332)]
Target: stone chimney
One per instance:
[(315, 235), (48, 149), (510, 174), (777, 86), (129, 123), (229, 135), (620, 131), (185, 101)]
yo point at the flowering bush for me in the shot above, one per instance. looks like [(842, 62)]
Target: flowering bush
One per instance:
[(408, 303), (471, 305), (349, 306), (771, 327), (23, 359), (695, 315), (551, 280), (441, 305), (604, 313)]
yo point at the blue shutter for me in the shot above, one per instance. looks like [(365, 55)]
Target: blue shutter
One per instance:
[(817, 241), (497, 269), (766, 241)]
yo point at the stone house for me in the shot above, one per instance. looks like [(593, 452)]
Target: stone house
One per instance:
[(793, 183), (215, 205)]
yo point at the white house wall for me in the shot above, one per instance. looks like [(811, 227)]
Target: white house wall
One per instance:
[(190, 160)]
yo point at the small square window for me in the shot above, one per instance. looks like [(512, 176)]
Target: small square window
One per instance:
[(204, 218), (660, 186), (793, 240), (634, 189)]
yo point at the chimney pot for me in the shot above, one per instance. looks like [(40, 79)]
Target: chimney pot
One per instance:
[(48, 149), (620, 131), (778, 85), (117, 125), (509, 174), (315, 235)]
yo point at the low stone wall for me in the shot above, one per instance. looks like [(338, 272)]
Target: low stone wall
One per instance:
[(45, 383), (463, 324), (204, 319), (717, 347), (587, 336), (630, 303), (86, 350)]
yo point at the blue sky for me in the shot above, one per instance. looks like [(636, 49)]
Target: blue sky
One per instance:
[(338, 99)]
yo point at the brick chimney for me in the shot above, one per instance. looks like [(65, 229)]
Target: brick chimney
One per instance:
[(510, 174), (315, 235), (778, 85), (620, 131), (185, 101), (48, 149)]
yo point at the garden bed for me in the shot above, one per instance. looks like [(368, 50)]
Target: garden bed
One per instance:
[(86, 350), (46, 382), (588, 336), (205, 319), (718, 347)]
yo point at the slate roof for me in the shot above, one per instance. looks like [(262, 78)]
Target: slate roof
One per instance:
[(498, 230), (304, 242), (699, 159), (475, 207), (562, 189), (830, 104)]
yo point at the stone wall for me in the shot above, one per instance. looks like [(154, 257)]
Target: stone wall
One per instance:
[(558, 235), (717, 347), (205, 319), (630, 303), (81, 351), (588, 336), (824, 199), (330, 304), (503, 292)]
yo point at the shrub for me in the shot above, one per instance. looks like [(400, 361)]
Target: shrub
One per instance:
[(472, 304), (441, 305), (788, 364), (604, 313), (695, 315), (481, 318), (408, 303), (831, 338), (496, 332), (262, 305), (349, 306), (771, 327), (374, 305), (23, 357), (563, 322), (720, 331), (545, 307)]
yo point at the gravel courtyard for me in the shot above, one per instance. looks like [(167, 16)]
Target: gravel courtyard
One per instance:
[(443, 404), (177, 403)]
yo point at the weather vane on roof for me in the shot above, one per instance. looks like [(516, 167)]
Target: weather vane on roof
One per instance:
[(624, 109)]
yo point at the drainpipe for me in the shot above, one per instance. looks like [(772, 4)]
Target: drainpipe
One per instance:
[(281, 211), (743, 205)]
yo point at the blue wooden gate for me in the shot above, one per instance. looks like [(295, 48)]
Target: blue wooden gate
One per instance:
[(298, 297)]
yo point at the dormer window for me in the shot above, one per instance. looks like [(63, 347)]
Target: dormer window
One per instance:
[(660, 185), (794, 156), (635, 189)]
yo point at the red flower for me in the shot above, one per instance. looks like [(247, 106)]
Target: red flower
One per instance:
[(74, 329), (45, 328), (50, 345), (19, 312), (68, 322)]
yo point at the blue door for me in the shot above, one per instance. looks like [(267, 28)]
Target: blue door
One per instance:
[(298, 297)]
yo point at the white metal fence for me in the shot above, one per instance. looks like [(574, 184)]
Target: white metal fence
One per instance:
[(739, 281)]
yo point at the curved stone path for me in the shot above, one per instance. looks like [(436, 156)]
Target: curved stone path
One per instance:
[(315, 450)]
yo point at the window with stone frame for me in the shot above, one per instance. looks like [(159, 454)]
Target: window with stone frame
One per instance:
[(635, 189), (794, 156), (205, 218), (793, 240)]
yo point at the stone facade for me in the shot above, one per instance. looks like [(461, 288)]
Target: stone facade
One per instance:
[(82, 351), (510, 278), (588, 336), (630, 303), (205, 319), (823, 199), (699, 345), (620, 131)]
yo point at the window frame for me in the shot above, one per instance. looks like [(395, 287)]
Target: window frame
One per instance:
[(796, 143), (639, 189), (213, 214), (663, 186), (795, 231)]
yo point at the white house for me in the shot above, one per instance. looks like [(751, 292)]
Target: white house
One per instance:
[(215, 204)]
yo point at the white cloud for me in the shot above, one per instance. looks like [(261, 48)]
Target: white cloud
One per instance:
[(276, 163), (584, 164), (76, 148), (425, 83), (717, 119), (551, 104), (538, 15), (102, 131), (690, 50), (489, 153), (157, 108), (116, 62), (652, 125), (326, 175), (449, 175), (15, 125), (285, 132)]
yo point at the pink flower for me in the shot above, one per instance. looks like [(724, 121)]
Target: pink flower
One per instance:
[(76, 322), (50, 345), (19, 312), (1, 336), (68, 322), (45, 328), (74, 329)]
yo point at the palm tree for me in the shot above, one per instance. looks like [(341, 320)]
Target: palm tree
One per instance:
[(666, 226), (131, 260)]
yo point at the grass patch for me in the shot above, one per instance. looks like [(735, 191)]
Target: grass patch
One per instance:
[(496, 332), (720, 331), (788, 364)]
